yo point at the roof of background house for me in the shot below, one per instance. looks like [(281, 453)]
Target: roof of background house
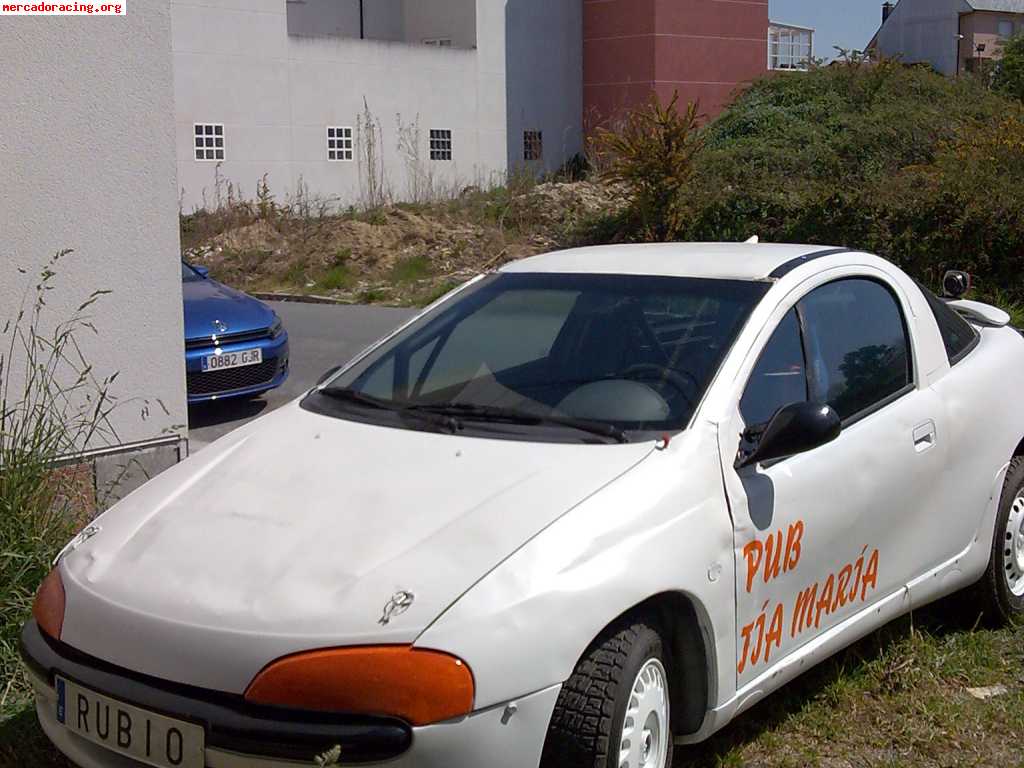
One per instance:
[(795, 26), (1005, 6), (1001, 6)]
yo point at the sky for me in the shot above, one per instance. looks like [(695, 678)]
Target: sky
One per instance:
[(846, 23)]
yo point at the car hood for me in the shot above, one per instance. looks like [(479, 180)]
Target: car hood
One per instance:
[(207, 301), (294, 532)]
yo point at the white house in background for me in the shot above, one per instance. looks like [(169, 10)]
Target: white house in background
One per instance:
[(459, 92), (790, 47), (952, 35), (88, 163)]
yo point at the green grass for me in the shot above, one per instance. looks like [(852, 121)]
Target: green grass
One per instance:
[(371, 296), (52, 405), (897, 698), (337, 278), (410, 270)]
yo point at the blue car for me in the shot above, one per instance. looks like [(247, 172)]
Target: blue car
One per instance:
[(235, 345)]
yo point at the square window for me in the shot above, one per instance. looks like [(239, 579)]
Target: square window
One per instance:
[(1006, 29), (209, 141), (339, 144), (533, 145), (440, 144)]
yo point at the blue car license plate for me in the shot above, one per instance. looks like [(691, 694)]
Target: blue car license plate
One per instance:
[(222, 360)]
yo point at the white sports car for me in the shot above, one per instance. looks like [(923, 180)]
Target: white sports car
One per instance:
[(585, 508)]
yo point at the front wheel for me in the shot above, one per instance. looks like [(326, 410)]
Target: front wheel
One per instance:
[(614, 712), (1001, 589)]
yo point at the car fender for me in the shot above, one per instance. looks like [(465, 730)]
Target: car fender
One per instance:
[(663, 527)]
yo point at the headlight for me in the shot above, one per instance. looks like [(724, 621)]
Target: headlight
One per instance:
[(418, 686), (277, 328), (48, 608)]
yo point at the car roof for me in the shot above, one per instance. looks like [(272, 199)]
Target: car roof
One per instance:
[(736, 261)]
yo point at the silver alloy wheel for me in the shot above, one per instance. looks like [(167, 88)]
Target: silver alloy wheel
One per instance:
[(645, 730), (1013, 548)]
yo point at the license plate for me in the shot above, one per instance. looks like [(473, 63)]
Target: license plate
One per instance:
[(224, 360), (144, 736)]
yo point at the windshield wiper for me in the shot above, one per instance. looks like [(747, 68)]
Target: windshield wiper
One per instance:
[(471, 412), (361, 398)]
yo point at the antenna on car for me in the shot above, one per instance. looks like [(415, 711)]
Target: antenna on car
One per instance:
[(753, 240)]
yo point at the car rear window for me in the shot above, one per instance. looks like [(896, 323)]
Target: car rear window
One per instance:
[(957, 334)]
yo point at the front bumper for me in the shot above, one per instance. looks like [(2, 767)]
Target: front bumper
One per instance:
[(239, 734), (237, 382)]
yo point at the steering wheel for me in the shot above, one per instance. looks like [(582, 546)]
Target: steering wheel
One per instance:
[(682, 381)]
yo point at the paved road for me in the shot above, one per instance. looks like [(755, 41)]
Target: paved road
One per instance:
[(320, 337)]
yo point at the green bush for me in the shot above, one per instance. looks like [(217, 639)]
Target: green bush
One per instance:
[(51, 406), (919, 168), (652, 156), (1009, 74)]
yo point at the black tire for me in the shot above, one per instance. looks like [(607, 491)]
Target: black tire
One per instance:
[(999, 604), (586, 726)]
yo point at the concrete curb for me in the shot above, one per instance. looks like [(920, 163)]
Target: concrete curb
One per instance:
[(302, 299)]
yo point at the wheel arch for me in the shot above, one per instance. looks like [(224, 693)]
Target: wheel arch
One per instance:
[(688, 635)]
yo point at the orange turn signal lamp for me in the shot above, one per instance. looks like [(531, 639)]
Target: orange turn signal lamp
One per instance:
[(48, 608), (419, 686)]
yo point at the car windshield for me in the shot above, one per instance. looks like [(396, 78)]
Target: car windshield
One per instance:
[(187, 273), (572, 356)]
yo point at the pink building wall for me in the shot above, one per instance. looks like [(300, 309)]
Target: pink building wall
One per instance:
[(704, 49)]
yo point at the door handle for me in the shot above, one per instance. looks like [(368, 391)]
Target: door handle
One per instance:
[(924, 436)]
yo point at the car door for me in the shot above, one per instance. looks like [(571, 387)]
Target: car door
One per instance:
[(822, 535)]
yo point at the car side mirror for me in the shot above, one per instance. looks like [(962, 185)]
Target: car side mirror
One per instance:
[(328, 375), (795, 428), (203, 272)]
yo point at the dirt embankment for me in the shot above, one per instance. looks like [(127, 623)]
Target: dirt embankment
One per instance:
[(403, 254)]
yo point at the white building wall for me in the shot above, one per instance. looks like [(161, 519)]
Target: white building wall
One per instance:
[(924, 31), (87, 148), (544, 60), (234, 63)]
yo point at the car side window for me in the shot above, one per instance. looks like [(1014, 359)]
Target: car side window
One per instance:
[(780, 376), (958, 336), (858, 351)]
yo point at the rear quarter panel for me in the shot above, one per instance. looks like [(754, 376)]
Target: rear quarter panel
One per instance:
[(985, 424)]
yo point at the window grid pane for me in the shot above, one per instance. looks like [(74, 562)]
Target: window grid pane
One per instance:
[(339, 144), (440, 144), (209, 141), (533, 145)]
